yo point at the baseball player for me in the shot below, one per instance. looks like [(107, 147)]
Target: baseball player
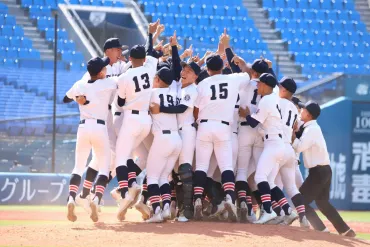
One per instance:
[(165, 149), (268, 115), (134, 90), (214, 110), (310, 141), (96, 94)]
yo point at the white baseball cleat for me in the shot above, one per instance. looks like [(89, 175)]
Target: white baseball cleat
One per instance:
[(278, 220), (157, 217), (182, 218), (124, 204), (266, 217), (84, 203), (143, 209), (219, 211), (350, 233), (304, 222), (134, 192), (198, 214), (231, 209), (116, 195), (243, 212), (289, 219), (326, 230), (251, 218), (166, 212), (94, 205), (173, 209), (71, 205)]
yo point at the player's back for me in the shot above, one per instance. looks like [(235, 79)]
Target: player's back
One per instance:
[(217, 96), (135, 85), (98, 94), (289, 115), (249, 97), (164, 121)]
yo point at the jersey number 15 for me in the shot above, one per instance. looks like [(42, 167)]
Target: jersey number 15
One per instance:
[(146, 85), (223, 92)]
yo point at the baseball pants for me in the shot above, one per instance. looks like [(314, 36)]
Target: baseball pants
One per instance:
[(188, 135)]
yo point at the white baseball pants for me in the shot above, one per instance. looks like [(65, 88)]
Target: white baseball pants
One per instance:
[(92, 135), (188, 136), (162, 157)]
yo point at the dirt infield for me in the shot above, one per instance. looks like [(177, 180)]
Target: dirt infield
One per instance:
[(133, 232)]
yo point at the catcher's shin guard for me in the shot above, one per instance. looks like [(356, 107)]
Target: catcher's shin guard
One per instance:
[(186, 176)]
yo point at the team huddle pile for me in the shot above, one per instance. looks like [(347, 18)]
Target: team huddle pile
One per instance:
[(211, 139)]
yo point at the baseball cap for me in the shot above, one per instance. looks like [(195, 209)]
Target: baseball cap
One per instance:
[(268, 79), (296, 101), (112, 43), (312, 107), (166, 75), (138, 52), (289, 84), (95, 65), (163, 65), (202, 75), (194, 66), (260, 66), (214, 62)]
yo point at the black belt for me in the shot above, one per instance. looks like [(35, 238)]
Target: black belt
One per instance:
[(237, 106), (244, 123), (136, 112), (99, 121), (267, 136), (109, 107), (117, 113), (206, 120), (192, 125), (166, 131), (235, 132)]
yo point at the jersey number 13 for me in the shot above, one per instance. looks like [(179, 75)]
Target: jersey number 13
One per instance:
[(146, 85)]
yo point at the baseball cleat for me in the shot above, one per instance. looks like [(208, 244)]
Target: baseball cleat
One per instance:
[(252, 218), (326, 230), (94, 205), (243, 212), (182, 218), (124, 204), (166, 212), (304, 222), (84, 203), (289, 219), (231, 209), (173, 209), (198, 214), (71, 205), (220, 208), (266, 217), (134, 192), (157, 217), (350, 233), (224, 216), (278, 220), (116, 195), (143, 209)]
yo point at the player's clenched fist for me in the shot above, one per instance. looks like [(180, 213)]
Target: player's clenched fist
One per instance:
[(153, 26), (244, 112), (81, 99)]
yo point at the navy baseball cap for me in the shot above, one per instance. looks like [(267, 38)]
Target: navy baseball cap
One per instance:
[(289, 84), (138, 52), (214, 62), (260, 66), (166, 75), (163, 65), (112, 43), (268, 79), (95, 65), (312, 107), (202, 75), (194, 66), (296, 101)]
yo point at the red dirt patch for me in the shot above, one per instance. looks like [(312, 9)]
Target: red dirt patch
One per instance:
[(133, 232)]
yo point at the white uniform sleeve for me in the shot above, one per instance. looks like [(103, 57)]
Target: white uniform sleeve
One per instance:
[(154, 97), (188, 97), (262, 111), (75, 90), (86, 76), (121, 81), (125, 67), (306, 141), (151, 63), (199, 96)]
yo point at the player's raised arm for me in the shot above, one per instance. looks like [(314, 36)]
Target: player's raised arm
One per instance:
[(149, 43), (175, 65), (225, 41)]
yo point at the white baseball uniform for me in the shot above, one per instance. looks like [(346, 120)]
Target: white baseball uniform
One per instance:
[(135, 86), (288, 166), (92, 131), (250, 140), (216, 102), (269, 116), (166, 145), (185, 120)]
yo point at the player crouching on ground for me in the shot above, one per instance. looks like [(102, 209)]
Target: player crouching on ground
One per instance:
[(93, 96), (165, 149)]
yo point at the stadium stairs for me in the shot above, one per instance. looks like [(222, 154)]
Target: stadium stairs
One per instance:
[(363, 7), (274, 41)]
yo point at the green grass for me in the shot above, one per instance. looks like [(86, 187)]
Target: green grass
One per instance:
[(355, 216), (365, 236)]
